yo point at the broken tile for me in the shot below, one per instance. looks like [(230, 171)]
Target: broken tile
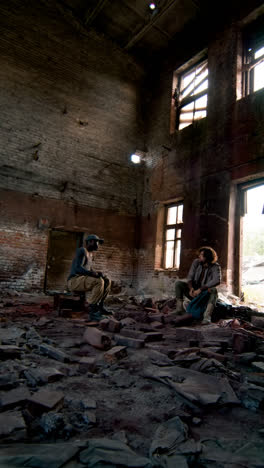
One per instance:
[(195, 387), (42, 375), (13, 398), (38, 455), (112, 452), (258, 365), (12, 424), (45, 400)]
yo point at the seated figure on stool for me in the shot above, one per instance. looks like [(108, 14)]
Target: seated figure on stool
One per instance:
[(83, 278), (202, 279)]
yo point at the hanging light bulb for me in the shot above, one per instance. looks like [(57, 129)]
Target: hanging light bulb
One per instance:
[(152, 6)]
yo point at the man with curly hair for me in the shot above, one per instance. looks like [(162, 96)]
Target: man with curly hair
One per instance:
[(202, 279)]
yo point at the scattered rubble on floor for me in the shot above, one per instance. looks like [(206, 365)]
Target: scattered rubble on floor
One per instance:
[(133, 390)]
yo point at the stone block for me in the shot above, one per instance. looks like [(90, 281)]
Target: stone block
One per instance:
[(115, 354)]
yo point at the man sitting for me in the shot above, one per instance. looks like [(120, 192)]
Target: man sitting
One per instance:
[(83, 278), (202, 279)]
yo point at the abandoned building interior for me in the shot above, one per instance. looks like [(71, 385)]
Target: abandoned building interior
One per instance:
[(143, 123)]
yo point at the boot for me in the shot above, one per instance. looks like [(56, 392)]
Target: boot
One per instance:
[(103, 310), (179, 307), (208, 314), (95, 314)]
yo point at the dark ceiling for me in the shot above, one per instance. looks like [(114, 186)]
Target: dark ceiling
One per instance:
[(134, 27)]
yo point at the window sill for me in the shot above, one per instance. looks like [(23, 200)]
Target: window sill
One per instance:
[(167, 271)]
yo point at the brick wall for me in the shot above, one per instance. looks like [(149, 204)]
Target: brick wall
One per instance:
[(24, 239), (201, 163), (70, 118)]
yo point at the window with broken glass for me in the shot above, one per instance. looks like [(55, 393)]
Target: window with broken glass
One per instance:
[(173, 235), (253, 67), (190, 95)]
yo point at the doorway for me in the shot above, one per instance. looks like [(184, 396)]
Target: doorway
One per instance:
[(61, 251), (252, 229)]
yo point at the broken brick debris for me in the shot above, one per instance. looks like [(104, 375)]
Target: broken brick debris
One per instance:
[(114, 354), (54, 353), (97, 338), (9, 352), (129, 342)]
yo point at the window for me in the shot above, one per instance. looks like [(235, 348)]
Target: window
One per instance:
[(253, 68), (190, 95), (173, 235)]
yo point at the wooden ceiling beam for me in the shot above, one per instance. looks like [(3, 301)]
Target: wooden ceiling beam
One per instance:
[(148, 26), (91, 15), (131, 7)]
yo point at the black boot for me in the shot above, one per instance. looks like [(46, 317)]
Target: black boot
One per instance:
[(103, 310), (95, 314)]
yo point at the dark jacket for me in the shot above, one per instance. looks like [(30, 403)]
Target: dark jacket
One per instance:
[(211, 278)]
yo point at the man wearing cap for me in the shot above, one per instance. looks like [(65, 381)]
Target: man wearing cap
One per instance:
[(83, 278)]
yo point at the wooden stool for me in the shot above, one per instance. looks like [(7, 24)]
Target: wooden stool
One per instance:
[(69, 300)]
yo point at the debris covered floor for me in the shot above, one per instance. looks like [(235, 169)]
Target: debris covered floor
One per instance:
[(156, 395)]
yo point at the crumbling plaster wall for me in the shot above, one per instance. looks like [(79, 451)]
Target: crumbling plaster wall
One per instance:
[(201, 164), (70, 118)]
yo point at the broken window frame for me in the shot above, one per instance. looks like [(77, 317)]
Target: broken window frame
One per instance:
[(178, 226), (180, 102), (253, 41)]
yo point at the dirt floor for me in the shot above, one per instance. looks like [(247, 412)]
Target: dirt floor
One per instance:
[(156, 395)]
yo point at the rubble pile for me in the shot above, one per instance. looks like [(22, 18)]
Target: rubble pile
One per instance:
[(133, 391)]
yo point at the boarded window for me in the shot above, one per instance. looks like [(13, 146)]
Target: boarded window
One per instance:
[(190, 95)]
